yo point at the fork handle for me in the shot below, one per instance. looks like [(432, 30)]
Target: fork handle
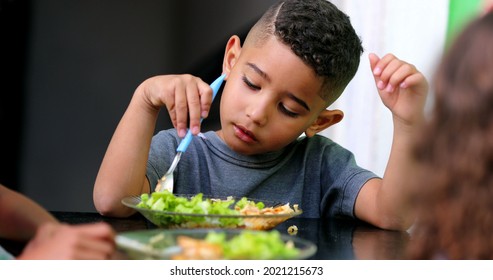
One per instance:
[(188, 137), (185, 142)]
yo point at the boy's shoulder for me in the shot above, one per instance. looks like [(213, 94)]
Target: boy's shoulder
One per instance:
[(319, 144), (316, 139)]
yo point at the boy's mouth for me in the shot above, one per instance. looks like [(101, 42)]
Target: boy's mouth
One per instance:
[(244, 134)]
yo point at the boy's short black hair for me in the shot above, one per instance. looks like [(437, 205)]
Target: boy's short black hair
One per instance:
[(320, 34)]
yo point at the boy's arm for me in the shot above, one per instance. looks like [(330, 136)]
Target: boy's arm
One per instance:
[(20, 216), (123, 170), (23, 219), (403, 89)]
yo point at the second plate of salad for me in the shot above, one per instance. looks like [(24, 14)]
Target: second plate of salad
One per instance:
[(200, 244)]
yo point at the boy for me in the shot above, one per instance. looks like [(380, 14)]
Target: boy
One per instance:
[(294, 63)]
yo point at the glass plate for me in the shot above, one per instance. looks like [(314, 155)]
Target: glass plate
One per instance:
[(166, 219), (162, 244)]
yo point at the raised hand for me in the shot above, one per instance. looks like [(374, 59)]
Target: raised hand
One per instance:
[(402, 88)]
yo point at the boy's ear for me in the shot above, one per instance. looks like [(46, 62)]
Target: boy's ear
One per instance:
[(325, 119), (231, 54)]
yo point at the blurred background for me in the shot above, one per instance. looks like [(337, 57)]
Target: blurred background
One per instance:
[(70, 68)]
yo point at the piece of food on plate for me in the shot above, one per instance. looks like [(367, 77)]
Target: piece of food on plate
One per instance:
[(293, 230)]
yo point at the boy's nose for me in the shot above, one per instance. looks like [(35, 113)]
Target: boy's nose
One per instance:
[(258, 112)]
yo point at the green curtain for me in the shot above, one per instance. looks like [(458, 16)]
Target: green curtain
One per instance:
[(460, 13)]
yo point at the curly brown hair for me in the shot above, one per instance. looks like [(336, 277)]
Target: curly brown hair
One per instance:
[(455, 148), (320, 34)]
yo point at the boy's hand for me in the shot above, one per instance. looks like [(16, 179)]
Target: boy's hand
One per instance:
[(186, 97), (68, 242), (401, 87)]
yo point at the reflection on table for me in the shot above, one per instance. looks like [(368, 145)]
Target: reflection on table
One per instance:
[(336, 239)]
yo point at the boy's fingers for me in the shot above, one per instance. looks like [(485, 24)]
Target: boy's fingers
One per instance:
[(170, 106), (205, 99), (393, 73), (390, 69), (387, 58), (181, 109), (373, 62), (96, 249), (376, 71), (383, 63), (193, 102), (95, 241), (101, 230), (414, 79), (401, 74), (382, 69), (46, 231)]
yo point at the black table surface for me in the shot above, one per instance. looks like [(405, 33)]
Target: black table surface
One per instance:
[(336, 239)]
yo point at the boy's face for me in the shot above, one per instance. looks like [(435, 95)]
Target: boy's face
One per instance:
[(270, 98)]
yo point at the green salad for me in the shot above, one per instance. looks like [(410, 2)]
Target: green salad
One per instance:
[(260, 245), (243, 245), (197, 209)]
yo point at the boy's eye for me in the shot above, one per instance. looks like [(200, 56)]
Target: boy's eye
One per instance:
[(287, 112), (250, 84), (282, 108)]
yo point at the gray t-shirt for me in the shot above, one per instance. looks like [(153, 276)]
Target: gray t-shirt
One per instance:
[(317, 174)]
